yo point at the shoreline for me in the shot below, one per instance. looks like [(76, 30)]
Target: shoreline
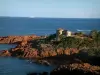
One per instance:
[(26, 49)]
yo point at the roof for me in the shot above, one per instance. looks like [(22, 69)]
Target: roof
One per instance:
[(60, 29)]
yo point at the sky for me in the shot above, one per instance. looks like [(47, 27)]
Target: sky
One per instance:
[(50, 8)]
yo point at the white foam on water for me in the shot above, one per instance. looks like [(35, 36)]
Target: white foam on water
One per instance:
[(83, 30)]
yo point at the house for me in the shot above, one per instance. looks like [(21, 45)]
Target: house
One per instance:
[(63, 32), (58, 33), (67, 33)]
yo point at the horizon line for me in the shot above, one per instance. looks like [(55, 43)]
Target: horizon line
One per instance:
[(49, 17)]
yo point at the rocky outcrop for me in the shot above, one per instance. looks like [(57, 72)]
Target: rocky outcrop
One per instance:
[(76, 69), (25, 51), (70, 51), (47, 52), (5, 53), (16, 39), (43, 62), (23, 48)]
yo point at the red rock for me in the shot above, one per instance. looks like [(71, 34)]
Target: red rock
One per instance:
[(17, 39), (5, 53), (59, 51), (70, 51)]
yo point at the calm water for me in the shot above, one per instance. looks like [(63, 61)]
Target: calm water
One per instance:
[(6, 46), (42, 26), (38, 26), (15, 66)]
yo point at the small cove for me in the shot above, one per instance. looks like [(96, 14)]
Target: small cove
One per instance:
[(16, 66), (7, 46)]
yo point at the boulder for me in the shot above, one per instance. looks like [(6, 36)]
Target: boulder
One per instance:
[(5, 53)]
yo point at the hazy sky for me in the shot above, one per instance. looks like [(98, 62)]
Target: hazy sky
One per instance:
[(50, 8)]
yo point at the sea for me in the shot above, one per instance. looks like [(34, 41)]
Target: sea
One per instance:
[(45, 26), (38, 26)]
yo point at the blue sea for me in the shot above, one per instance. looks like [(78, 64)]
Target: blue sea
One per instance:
[(44, 26), (38, 26)]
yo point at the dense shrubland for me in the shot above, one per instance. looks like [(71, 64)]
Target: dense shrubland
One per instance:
[(89, 43)]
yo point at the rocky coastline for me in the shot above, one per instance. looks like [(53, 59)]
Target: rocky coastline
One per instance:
[(66, 59), (20, 41), (24, 48)]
